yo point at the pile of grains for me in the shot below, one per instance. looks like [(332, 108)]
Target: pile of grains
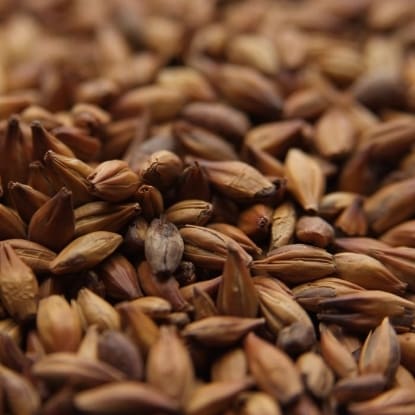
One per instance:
[(207, 207)]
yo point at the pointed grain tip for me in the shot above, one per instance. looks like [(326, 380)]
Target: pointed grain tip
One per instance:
[(11, 185), (48, 156), (36, 124), (13, 122)]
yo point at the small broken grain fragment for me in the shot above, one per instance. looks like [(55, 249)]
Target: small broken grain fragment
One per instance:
[(314, 230)]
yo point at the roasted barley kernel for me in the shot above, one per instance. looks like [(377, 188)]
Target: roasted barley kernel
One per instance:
[(207, 207)]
